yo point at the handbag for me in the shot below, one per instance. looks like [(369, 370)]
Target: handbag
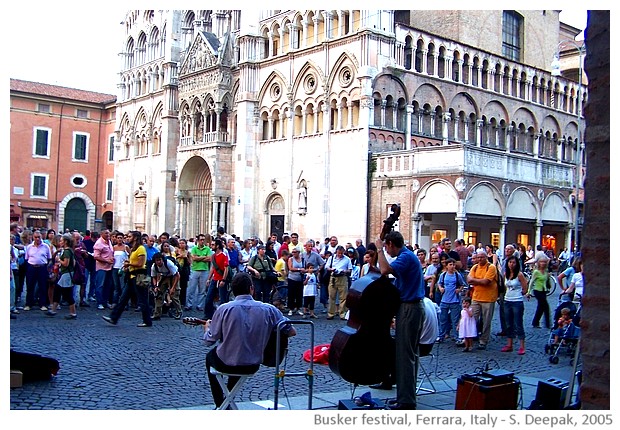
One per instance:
[(271, 276)]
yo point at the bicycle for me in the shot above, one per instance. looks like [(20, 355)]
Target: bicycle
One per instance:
[(527, 272)]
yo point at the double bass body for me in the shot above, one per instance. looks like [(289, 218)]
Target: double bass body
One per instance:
[(363, 351)]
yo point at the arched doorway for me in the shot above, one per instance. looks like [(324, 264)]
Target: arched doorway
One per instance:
[(75, 215), (275, 208), (194, 198), (107, 220)]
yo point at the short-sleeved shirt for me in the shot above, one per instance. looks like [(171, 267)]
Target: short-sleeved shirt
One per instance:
[(134, 256), (104, 250), (201, 252), (408, 273), (450, 282), (221, 261), (281, 268), (38, 255), (167, 269), (484, 293)]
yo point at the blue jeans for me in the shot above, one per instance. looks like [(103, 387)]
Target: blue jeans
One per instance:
[(449, 318), (118, 280), (222, 292), (12, 293), (513, 312), (103, 282), (36, 285), (196, 289)]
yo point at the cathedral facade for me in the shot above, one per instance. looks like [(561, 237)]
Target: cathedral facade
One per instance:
[(317, 121)]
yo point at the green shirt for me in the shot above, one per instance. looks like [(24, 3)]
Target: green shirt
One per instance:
[(538, 282), (201, 265)]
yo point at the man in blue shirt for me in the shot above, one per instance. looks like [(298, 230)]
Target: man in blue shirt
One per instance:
[(407, 270), (241, 328)]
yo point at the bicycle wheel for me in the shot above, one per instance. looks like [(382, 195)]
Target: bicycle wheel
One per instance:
[(554, 285)]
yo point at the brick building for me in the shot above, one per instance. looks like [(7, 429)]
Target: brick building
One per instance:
[(61, 161)]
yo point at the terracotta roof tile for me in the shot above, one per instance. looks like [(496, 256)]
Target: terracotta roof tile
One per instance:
[(58, 91)]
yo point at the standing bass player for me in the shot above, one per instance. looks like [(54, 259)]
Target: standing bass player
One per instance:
[(407, 270)]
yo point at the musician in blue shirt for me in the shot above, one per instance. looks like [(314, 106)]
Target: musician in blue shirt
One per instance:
[(241, 329), (407, 270)]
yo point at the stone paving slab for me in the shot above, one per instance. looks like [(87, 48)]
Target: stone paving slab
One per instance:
[(118, 367)]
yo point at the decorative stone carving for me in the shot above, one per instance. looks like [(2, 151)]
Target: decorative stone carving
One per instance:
[(460, 184), (415, 185), (505, 190), (541, 195)]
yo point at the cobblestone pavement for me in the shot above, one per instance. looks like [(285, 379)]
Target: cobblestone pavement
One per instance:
[(126, 367)]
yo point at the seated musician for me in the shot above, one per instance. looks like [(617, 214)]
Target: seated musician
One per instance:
[(241, 328)]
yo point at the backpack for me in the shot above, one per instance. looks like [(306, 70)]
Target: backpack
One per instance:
[(174, 260), (77, 274), (460, 282), (229, 275)]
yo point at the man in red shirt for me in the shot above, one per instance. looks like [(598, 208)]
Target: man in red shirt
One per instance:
[(217, 276)]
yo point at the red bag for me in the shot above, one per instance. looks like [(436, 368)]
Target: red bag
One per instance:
[(321, 354)]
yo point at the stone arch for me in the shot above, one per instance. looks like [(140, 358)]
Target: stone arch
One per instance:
[(386, 84), (495, 109), (466, 103), (195, 192), (90, 208), (265, 97), (437, 196), (556, 208), (522, 204), (484, 199), (430, 94)]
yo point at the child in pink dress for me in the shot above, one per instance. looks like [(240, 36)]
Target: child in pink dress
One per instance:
[(467, 325)]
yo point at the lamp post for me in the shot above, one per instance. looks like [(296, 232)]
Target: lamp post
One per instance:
[(555, 71)]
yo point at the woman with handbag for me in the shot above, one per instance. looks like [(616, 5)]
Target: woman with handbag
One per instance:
[(295, 279), (137, 280), (65, 285), (263, 273)]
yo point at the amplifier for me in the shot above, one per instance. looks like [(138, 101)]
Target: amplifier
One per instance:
[(551, 394), (486, 395)]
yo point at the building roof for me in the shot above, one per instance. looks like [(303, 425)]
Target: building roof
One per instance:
[(62, 92)]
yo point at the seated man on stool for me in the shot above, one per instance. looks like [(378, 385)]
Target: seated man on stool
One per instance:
[(242, 327)]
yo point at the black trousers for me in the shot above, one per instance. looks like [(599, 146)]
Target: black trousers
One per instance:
[(212, 360)]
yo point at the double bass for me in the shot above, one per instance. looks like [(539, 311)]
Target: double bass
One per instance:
[(363, 351)]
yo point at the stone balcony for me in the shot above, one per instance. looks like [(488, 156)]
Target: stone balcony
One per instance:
[(465, 159), (213, 138)]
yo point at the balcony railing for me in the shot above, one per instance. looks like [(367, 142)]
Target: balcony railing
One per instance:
[(210, 138), (465, 159)]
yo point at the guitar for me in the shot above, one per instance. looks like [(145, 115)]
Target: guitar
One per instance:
[(269, 353)]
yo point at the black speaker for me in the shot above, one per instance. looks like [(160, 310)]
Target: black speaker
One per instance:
[(550, 394)]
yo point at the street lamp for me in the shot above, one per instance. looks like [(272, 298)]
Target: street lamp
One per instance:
[(555, 71)]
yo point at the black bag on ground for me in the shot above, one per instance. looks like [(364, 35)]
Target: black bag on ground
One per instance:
[(34, 367)]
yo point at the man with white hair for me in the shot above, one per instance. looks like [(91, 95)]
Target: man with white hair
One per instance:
[(483, 278)]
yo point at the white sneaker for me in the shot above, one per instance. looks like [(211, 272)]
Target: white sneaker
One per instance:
[(300, 312), (100, 307), (290, 313)]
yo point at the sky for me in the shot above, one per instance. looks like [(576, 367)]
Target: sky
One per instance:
[(55, 45)]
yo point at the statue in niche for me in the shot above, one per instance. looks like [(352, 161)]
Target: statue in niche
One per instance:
[(302, 197)]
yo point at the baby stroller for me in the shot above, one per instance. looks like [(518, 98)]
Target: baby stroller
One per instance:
[(568, 336)]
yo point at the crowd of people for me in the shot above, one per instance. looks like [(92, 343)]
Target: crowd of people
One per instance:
[(119, 271)]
